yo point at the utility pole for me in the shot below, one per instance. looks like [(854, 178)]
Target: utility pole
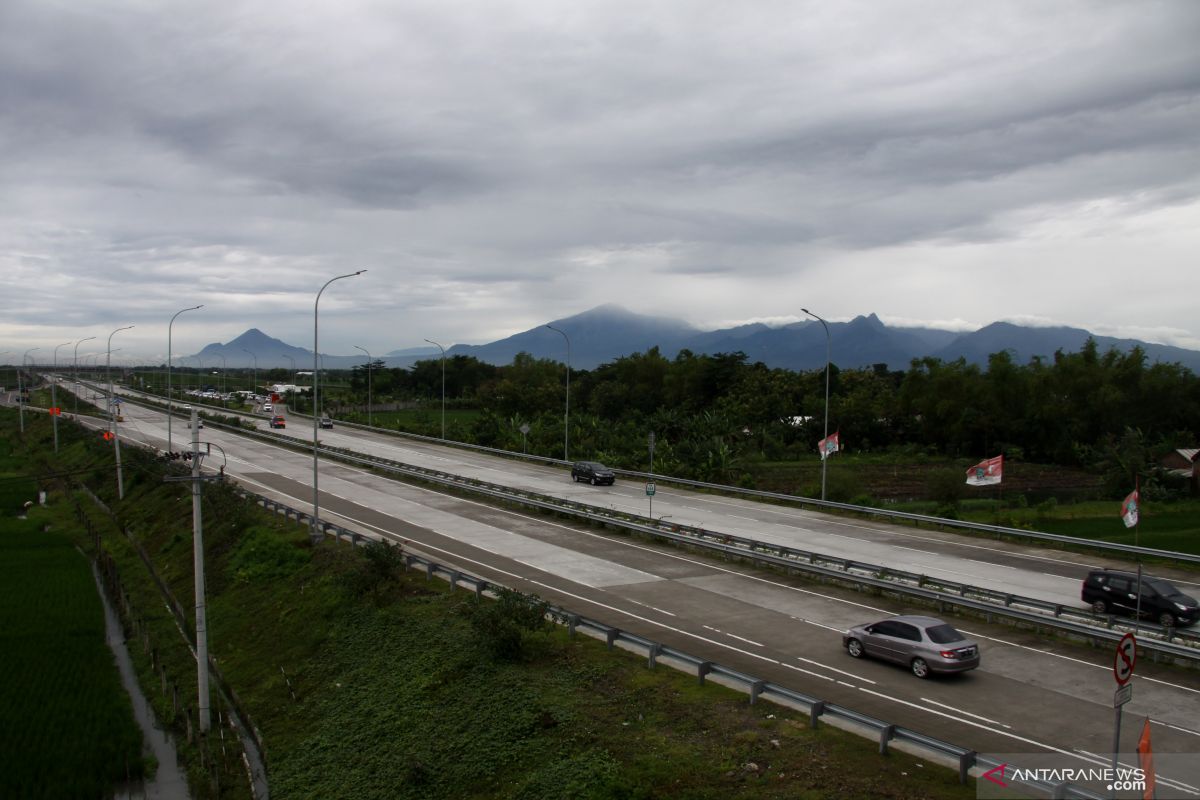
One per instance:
[(196, 478), (198, 558)]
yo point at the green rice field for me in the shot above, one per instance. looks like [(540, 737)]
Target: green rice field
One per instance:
[(68, 726)]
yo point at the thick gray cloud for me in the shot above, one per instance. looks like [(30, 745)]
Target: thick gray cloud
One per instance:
[(494, 166)]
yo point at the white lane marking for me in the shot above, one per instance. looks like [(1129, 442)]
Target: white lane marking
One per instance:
[(915, 550), (835, 669), (743, 639), (808, 672), (819, 625), (993, 565), (1176, 727), (965, 713), (734, 636), (652, 608), (738, 516)]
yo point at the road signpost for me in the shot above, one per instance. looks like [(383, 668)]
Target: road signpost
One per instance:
[(650, 483), (1124, 661)]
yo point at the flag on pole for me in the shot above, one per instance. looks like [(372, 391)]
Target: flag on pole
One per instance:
[(829, 445), (1129, 509), (986, 473)]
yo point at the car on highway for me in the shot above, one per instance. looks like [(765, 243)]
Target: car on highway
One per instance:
[(926, 645), (592, 472), (1112, 591), (278, 422), (326, 422), (267, 408)]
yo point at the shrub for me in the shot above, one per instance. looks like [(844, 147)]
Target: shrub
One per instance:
[(503, 625), (381, 567), (262, 555)]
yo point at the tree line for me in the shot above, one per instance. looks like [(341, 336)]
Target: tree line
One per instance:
[(1087, 409)]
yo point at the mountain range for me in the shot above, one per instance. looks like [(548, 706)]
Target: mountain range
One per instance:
[(608, 332)]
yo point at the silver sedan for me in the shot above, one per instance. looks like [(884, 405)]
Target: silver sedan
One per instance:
[(923, 644)]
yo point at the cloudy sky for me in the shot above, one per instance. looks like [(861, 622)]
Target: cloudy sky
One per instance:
[(495, 165)]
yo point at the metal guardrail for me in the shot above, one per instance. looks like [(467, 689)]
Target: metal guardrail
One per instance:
[(945, 594), (884, 732)]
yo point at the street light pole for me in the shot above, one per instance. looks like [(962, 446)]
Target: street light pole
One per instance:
[(224, 399), (21, 387), (54, 393), (431, 341), (77, 386), (828, 341), (112, 413), (356, 347), (170, 403), (567, 412), (314, 536)]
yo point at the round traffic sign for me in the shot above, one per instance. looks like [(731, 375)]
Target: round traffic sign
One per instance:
[(1125, 659)]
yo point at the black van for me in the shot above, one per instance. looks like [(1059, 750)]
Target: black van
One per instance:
[(1110, 591), (593, 472)]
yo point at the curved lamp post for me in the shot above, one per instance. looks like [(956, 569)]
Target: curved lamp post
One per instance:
[(313, 534), (356, 347), (112, 412), (439, 347), (77, 386), (170, 400), (567, 407), (828, 340)]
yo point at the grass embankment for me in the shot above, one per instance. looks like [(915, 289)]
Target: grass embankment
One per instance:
[(368, 684), (68, 723)]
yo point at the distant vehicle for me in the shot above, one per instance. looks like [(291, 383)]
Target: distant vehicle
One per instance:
[(593, 472), (925, 645), (326, 422), (278, 422), (1110, 591), (267, 408)]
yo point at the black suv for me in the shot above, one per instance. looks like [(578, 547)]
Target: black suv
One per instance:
[(593, 472), (1111, 591)]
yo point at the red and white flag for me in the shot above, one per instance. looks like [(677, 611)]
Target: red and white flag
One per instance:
[(986, 473), (829, 445), (1129, 509)]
